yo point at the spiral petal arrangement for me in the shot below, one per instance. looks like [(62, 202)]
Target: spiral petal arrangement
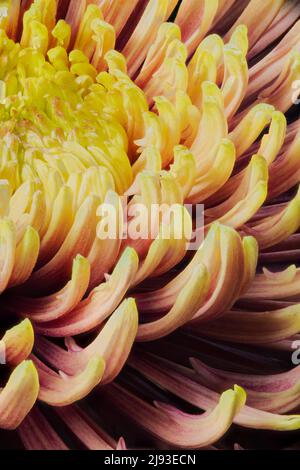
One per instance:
[(109, 104)]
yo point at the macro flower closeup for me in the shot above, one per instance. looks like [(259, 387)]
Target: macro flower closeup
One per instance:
[(117, 330)]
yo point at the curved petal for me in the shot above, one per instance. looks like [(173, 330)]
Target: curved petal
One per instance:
[(78, 241), (63, 390), (248, 197), (183, 383), (113, 343), (166, 34), (275, 285), (277, 393), (195, 20), (19, 395), (105, 247), (175, 427), (271, 230), (7, 251), (55, 306), (26, 256), (18, 342), (235, 80), (102, 301), (155, 14), (256, 327), (187, 303)]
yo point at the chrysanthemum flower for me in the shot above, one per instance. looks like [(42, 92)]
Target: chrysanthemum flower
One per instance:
[(166, 103)]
